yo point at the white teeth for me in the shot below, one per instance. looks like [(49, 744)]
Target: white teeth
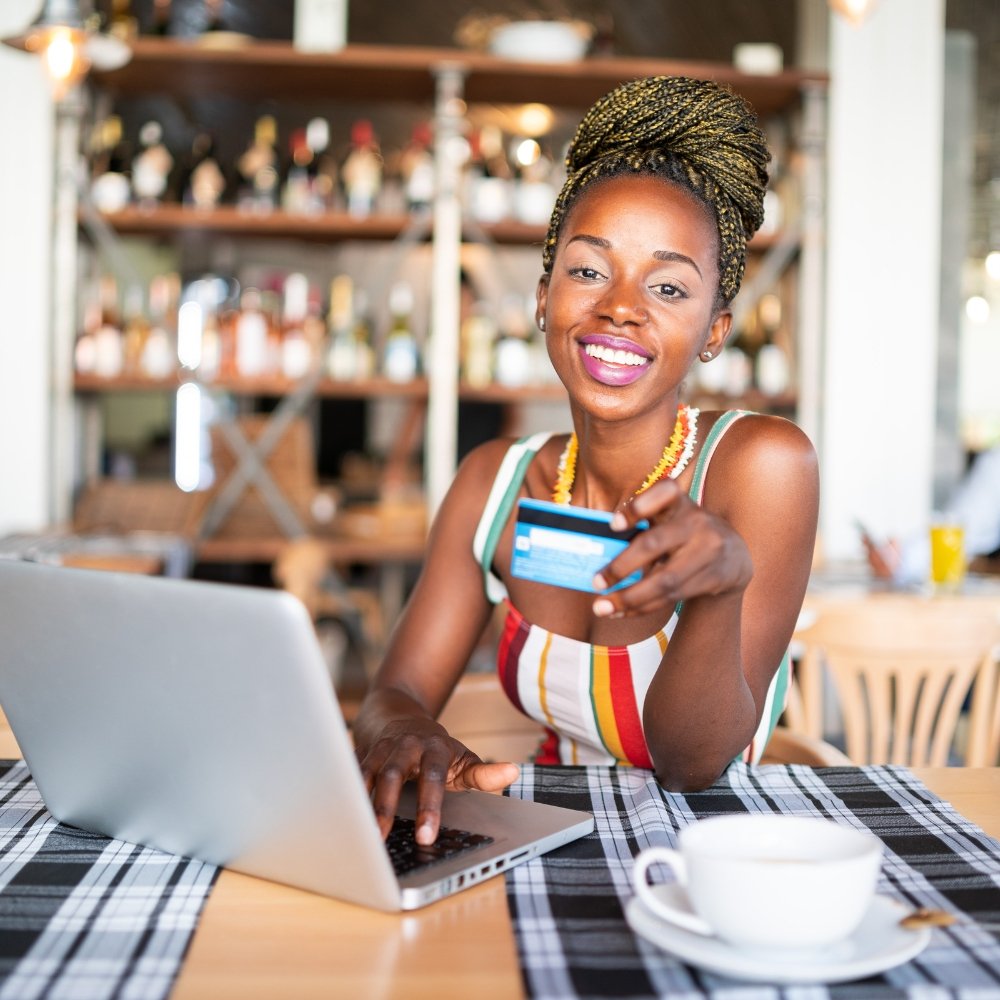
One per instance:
[(610, 356)]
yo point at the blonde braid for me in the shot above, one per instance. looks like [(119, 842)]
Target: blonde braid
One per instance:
[(696, 133)]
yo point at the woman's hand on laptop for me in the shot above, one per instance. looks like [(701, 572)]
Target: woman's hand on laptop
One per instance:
[(418, 748)]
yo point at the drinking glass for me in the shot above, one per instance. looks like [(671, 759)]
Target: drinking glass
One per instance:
[(947, 555)]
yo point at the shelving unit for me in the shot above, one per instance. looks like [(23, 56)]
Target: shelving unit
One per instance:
[(449, 79)]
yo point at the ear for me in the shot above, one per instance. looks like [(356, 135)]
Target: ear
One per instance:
[(719, 331), (541, 298)]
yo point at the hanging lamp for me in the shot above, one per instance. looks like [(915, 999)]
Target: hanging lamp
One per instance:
[(64, 34), (854, 10)]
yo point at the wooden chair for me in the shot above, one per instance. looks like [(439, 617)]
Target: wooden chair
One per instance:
[(786, 746), (902, 667), (482, 717)]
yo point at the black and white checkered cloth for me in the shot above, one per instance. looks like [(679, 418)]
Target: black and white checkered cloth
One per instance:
[(83, 917), (567, 906)]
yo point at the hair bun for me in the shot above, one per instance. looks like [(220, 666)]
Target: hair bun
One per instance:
[(711, 128), (697, 133)]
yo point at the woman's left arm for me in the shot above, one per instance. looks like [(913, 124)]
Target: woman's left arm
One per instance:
[(740, 563)]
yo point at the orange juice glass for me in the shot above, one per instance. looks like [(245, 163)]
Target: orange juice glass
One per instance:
[(947, 556)]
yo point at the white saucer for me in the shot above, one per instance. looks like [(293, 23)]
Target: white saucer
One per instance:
[(878, 944)]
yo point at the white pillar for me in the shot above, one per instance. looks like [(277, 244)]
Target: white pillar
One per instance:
[(26, 118), (442, 358), (883, 271)]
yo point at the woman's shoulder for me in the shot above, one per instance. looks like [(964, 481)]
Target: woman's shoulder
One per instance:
[(479, 470), (757, 449), (747, 429)]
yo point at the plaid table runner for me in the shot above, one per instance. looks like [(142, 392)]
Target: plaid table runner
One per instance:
[(83, 917), (567, 907)]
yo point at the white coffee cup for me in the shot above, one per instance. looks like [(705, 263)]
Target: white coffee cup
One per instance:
[(765, 881)]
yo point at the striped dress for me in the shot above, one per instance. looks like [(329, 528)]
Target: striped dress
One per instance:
[(588, 697)]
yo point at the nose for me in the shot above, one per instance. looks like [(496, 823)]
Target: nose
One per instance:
[(621, 304)]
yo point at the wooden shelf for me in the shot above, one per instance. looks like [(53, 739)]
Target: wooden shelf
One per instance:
[(269, 69), (276, 385), (381, 388), (227, 220), (174, 220), (373, 551)]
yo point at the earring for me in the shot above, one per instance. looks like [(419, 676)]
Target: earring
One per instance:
[(707, 355), (541, 323)]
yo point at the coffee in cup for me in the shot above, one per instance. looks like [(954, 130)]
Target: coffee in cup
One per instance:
[(766, 881)]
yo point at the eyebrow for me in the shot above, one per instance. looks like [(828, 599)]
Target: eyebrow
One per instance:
[(671, 256)]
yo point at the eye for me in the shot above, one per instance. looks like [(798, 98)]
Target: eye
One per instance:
[(667, 290), (585, 273)]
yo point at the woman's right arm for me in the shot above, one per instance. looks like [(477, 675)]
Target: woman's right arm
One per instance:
[(396, 735)]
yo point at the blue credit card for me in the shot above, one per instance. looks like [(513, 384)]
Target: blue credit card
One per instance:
[(565, 546)]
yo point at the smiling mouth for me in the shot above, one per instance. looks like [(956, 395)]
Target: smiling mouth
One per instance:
[(613, 356)]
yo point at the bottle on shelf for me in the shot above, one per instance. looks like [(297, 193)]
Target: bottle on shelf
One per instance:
[(111, 187), (342, 355), (416, 169), (488, 177), (251, 335), (534, 193), (151, 166), (296, 350), (400, 360), (364, 353), (159, 20), (257, 168), (109, 355), (205, 182), (85, 349), (322, 168), (477, 337), (513, 357), (159, 352), (136, 330), (361, 172)]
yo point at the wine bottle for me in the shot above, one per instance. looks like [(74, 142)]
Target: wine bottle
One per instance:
[(111, 188), (296, 351), (361, 172), (151, 166), (257, 168), (341, 361), (206, 181), (400, 362)]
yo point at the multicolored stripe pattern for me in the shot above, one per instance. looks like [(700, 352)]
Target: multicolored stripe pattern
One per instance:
[(589, 697)]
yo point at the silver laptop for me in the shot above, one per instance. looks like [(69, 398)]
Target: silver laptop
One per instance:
[(199, 718)]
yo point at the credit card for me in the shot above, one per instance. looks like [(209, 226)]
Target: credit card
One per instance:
[(565, 546)]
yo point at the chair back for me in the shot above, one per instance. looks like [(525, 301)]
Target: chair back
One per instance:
[(902, 667)]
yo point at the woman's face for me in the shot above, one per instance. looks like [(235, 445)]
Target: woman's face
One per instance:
[(631, 300)]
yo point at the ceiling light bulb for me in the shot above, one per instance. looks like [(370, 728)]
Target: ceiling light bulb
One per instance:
[(65, 62), (854, 10), (977, 309), (993, 265)]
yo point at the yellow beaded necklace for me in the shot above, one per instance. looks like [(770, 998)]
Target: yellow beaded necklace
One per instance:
[(672, 462)]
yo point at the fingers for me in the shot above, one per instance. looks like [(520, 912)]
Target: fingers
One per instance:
[(686, 552), (489, 777), (468, 772), (436, 762)]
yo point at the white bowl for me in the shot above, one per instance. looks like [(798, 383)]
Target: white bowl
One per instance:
[(541, 41)]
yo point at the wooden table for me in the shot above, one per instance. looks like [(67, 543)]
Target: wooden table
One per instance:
[(260, 939), (257, 939)]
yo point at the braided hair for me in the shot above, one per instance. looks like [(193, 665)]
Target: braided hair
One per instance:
[(696, 133)]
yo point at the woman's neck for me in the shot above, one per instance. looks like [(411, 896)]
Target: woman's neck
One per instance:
[(614, 459)]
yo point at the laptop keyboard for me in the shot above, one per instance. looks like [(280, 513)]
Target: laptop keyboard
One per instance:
[(407, 854)]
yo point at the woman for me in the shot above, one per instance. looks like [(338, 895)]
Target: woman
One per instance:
[(684, 670)]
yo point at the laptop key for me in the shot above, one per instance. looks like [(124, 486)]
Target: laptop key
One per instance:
[(407, 854)]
